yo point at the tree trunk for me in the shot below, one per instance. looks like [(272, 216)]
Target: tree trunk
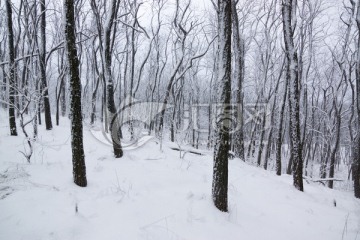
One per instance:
[(222, 145), (12, 84), (48, 122), (95, 89), (78, 157), (63, 98), (59, 96), (336, 145), (288, 12), (356, 161), (113, 123), (239, 50), (261, 143), (253, 129), (279, 133)]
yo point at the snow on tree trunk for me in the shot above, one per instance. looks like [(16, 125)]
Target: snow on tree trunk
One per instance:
[(78, 158), (294, 94), (12, 122), (239, 79), (222, 144)]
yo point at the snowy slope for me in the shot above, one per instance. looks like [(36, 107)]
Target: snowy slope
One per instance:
[(153, 194)]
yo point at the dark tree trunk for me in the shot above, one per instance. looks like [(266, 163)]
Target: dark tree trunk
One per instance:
[(62, 82), (78, 157), (336, 145), (63, 98), (12, 84), (324, 160), (290, 162), (94, 93), (62, 74), (356, 168), (93, 101), (4, 81), (294, 94), (48, 122), (172, 126), (112, 118), (222, 144), (269, 145)]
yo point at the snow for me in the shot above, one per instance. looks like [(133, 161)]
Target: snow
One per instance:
[(153, 194)]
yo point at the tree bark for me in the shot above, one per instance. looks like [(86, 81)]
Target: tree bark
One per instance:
[(280, 130), (239, 49), (222, 145), (12, 84), (336, 145), (78, 157), (47, 111), (114, 128), (288, 13), (356, 161)]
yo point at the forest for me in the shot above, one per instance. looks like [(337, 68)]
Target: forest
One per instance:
[(262, 92)]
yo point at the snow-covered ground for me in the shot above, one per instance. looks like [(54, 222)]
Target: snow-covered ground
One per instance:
[(153, 194)]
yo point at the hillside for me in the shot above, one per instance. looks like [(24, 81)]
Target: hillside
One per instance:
[(153, 194)]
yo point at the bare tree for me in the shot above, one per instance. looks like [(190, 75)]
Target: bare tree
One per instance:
[(107, 30)]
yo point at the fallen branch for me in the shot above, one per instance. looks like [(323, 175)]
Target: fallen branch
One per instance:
[(187, 151), (323, 180)]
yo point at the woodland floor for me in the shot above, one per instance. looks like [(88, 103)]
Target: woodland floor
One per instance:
[(154, 194)]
